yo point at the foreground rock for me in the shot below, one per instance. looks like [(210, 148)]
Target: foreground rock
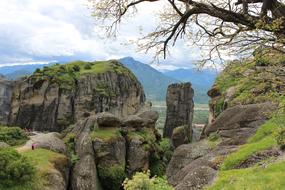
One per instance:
[(52, 99), (236, 124), (109, 150), (195, 165), (6, 88), (180, 108)]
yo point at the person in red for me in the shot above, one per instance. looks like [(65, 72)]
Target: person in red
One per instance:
[(33, 146)]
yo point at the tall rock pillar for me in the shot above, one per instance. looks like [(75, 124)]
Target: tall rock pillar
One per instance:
[(5, 99), (180, 108)]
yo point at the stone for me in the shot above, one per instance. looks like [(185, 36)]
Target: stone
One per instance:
[(184, 155), (180, 136), (236, 124), (105, 119), (197, 178), (134, 121), (50, 141), (149, 115), (6, 88), (137, 155), (44, 105), (180, 107)]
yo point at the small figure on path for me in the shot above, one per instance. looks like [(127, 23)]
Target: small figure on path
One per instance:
[(33, 146)]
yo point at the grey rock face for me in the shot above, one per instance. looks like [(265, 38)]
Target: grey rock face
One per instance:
[(180, 107), (236, 124), (84, 173), (45, 106), (50, 141), (137, 156), (5, 99)]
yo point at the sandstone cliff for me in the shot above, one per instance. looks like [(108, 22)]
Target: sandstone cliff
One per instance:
[(5, 99), (55, 97), (179, 116)]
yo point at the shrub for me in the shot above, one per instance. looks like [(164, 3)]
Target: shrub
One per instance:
[(142, 181), (15, 168), (76, 68), (12, 135), (88, 66), (111, 176), (280, 138)]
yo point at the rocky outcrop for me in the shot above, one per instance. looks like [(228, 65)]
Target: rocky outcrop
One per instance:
[(180, 136), (53, 98), (109, 149), (180, 108), (236, 124), (5, 99)]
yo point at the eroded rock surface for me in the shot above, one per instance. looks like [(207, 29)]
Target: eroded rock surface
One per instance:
[(6, 88), (180, 108)]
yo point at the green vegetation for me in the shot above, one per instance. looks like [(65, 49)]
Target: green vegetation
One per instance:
[(44, 160), (69, 140), (143, 181), (12, 135), (111, 176), (67, 75), (252, 85), (105, 134), (160, 159), (16, 169), (258, 177), (266, 137)]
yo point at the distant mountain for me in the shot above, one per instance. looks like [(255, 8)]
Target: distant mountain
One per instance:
[(14, 72), (154, 82), (201, 81)]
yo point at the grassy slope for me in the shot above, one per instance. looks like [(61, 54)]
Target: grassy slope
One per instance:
[(65, 75), (259, 177)]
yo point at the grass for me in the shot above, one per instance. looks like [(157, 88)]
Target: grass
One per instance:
[(43, 160), (254, 178), (66, 75), (105, 134)]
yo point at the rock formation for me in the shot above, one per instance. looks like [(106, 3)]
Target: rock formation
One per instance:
[(180, 108), (5, 99), (55, 97), (109, 149)]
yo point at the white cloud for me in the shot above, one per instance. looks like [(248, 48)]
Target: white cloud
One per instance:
[(63, 30)]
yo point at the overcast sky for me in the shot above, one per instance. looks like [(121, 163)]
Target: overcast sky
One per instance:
[(41, 31)]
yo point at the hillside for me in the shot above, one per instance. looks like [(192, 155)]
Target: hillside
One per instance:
[(154, 82), (243, 144)]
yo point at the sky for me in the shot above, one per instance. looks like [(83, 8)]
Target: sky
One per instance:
[(44, 31)]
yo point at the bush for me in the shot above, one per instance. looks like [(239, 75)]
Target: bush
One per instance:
[(15, 168), (12, 135), (88, 66), (142, 181), (111, 176), (280, 138), (76, 68)]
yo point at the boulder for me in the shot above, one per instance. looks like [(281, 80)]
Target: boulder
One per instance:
[(184, 155), (180, 107), (134, 121), (150, 115), (197, 178), (50, 141), (105, 119), (180, 136), (236, 124)]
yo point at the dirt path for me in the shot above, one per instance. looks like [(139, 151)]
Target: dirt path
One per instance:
[(28, 145)]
